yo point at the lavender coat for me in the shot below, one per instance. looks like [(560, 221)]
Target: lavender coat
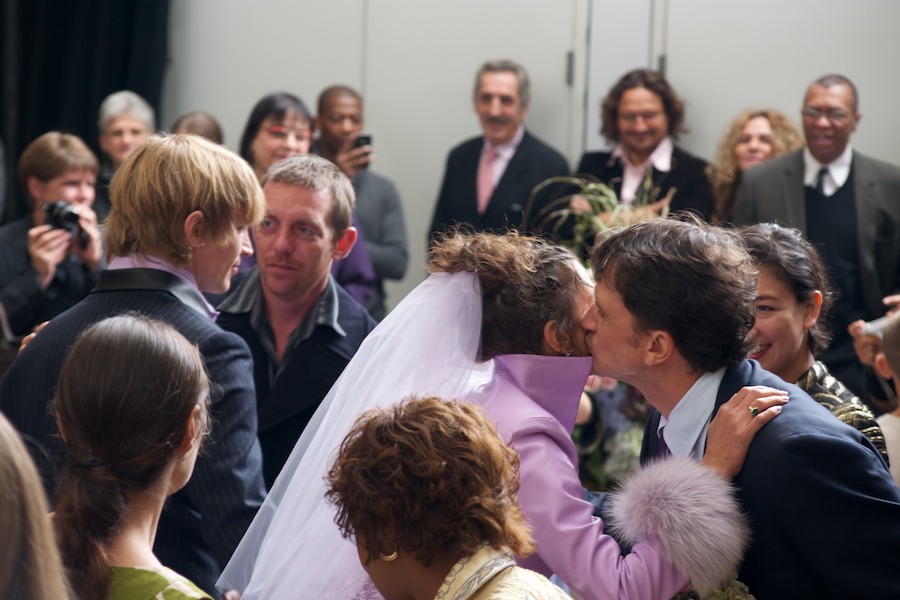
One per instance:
[(570, 540)]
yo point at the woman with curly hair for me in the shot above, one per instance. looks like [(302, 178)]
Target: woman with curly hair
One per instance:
[(793, 299), (427, 490), (497, 324), (753, 137), (131, 404)]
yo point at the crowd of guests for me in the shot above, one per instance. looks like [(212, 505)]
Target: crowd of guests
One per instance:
[(209, 350)]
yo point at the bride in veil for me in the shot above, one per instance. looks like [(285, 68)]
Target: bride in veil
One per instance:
[(495, 323)]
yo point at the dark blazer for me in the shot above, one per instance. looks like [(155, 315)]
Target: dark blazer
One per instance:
[(533, 162), (824, 510), (202, 524), (773, 192), (687, 176), (23, 300), (285, 406)]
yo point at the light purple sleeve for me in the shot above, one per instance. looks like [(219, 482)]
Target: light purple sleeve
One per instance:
[(570, 539)]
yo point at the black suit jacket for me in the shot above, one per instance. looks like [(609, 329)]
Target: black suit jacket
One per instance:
[(533, 162), (824, 510), (687, 176), (202, 524), (286, 405), (773, 192)]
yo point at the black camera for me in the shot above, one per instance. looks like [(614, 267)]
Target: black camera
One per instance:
[(62, 215)]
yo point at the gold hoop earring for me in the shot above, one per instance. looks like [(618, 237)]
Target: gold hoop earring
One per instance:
[(390, 557)]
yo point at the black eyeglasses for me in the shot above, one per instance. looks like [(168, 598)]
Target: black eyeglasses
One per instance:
[(835, 116)]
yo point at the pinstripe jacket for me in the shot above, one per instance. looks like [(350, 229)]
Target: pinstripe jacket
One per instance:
[(202, 524)]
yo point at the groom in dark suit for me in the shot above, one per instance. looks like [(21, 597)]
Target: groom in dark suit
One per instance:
[(488, 180), (844, 202), (674, 304)]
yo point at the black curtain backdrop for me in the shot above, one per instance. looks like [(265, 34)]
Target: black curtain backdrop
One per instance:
[(60, 58)]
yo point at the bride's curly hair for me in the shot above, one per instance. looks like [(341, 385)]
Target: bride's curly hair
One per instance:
[(426, 477), (526, 282)]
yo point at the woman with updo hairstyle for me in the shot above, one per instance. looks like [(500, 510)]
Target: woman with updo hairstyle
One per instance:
[(793, 299), (131, 404), (29, 559), (533, 293), (498, 324), (753, 137), (427, 491)]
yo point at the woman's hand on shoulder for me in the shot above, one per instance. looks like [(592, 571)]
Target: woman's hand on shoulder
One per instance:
[(736, 424)]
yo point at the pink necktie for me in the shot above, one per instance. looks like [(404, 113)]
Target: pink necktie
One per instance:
[(486, 178)]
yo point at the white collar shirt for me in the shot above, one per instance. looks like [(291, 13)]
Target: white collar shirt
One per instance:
[(687, 424), (838, 170), (633, 175)]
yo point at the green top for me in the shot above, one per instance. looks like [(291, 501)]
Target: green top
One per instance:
[(133, 583)]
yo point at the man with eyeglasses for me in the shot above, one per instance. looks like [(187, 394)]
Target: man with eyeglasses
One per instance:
[(846, 203), (643, 116)]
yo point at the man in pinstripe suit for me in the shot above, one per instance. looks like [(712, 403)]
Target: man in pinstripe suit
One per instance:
[(181, 207)]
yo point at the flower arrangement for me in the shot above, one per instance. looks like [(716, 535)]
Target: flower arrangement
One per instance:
[(590, 207)]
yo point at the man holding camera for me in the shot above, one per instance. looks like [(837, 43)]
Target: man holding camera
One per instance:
[(50, 259)]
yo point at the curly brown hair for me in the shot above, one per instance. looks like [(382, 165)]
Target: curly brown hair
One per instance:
[(691, 280), (526, 282), (650, 80), (723, 171), (427, 477), (797, 263)]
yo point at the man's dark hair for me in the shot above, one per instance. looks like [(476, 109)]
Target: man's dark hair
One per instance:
[(275, 105), (647, 79), (827, 81), (797, 264), (695, 282), (336, 91)]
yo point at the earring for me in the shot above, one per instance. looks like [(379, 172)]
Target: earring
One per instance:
[(390, 557)]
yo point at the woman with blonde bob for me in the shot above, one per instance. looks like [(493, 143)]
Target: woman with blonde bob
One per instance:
[(30, 566), (753, 137), (209, 196), (427, 490), (152, 394), (498, 324), (181, 207)]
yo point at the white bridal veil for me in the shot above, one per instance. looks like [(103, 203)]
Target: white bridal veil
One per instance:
[(427, 345)]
